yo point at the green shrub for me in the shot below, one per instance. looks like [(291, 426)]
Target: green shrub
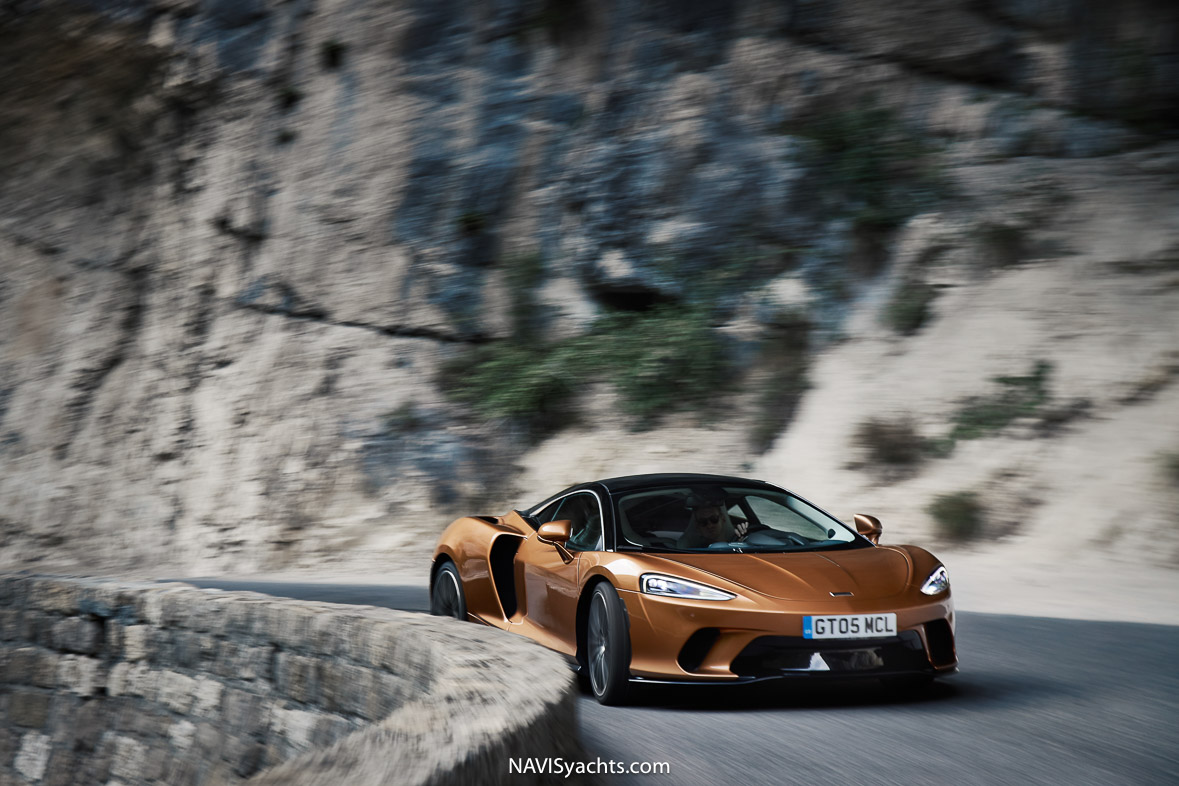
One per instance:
[(1018, 397), (785, 355), (512, 380), (939, 447), (868, 159), (1051, 419), (891, 443), (908, 309), (522, 274), (731, 268), (959, 516), (404, 419), (1003, 243), (472, 222), (666, 359), (1024, 396)]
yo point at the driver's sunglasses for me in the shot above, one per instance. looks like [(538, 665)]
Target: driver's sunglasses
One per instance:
[(713, 519)]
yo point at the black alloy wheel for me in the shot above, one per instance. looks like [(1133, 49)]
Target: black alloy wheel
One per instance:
[(447, 599), (607, 644)]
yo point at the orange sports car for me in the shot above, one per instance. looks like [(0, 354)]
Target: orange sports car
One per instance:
[(699, 578)]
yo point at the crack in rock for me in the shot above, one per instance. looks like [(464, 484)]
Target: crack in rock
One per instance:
[(393, 331)]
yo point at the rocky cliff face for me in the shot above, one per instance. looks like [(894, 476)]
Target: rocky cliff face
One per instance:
[(239, 239)]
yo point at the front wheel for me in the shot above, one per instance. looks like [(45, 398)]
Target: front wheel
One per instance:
[(607, 642), (447, 599)]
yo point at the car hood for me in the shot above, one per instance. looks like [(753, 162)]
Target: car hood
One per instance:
[(811, 575)]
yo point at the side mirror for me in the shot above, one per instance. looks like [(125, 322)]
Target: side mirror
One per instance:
[(555, 532), (869, 527)]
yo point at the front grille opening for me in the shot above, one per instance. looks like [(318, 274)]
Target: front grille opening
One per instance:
[(696, 648), (766, 656), (775, 655), (941, 642)]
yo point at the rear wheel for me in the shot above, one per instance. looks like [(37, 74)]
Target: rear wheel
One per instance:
[(607, 641), (447, 599)]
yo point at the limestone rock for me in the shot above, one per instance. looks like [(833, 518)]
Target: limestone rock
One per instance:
[(238, 239), (33, 756)]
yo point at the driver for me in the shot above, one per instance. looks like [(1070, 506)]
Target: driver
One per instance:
[(710, 523)]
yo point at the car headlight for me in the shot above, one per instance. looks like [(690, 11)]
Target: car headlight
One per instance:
[(658, 584), (937, 583)]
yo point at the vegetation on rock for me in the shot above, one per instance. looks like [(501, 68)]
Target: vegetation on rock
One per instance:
[(908, 310), (880, 171), (1018, 396), (892, 443), (662, 360), (785, 356), (958, 516)]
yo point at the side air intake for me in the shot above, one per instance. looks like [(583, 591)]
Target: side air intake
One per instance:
[(941, 642), (503, 573), (696, 648)]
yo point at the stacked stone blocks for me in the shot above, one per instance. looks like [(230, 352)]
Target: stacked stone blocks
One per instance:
[(105, 682)]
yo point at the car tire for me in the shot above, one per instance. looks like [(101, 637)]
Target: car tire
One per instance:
[(447, 598), (607, 643)]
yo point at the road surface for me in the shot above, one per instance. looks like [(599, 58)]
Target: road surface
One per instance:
[(1037, 701)]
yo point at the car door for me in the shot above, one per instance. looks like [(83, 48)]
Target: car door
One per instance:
[(547, 574)]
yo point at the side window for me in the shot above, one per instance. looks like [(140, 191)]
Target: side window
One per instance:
[(583, 511), (550, 513)]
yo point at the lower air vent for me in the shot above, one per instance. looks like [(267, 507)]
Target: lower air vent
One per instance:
[(696, 648), (941, 642)]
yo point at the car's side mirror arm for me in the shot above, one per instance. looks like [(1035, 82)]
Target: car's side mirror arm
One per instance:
[(556, 533), (869, 527)]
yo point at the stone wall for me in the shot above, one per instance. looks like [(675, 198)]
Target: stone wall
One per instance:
[(135, 683)]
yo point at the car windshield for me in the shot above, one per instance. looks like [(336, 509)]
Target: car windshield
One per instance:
[(714, 518)]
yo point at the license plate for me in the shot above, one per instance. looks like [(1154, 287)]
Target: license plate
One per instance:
[(849, 626)]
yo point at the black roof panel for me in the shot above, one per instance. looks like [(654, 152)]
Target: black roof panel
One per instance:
[(625, 483), (631, 482)]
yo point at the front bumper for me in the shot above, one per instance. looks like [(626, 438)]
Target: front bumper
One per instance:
[(737, 641)]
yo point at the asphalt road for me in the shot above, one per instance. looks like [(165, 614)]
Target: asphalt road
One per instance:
[(1037, 701)]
